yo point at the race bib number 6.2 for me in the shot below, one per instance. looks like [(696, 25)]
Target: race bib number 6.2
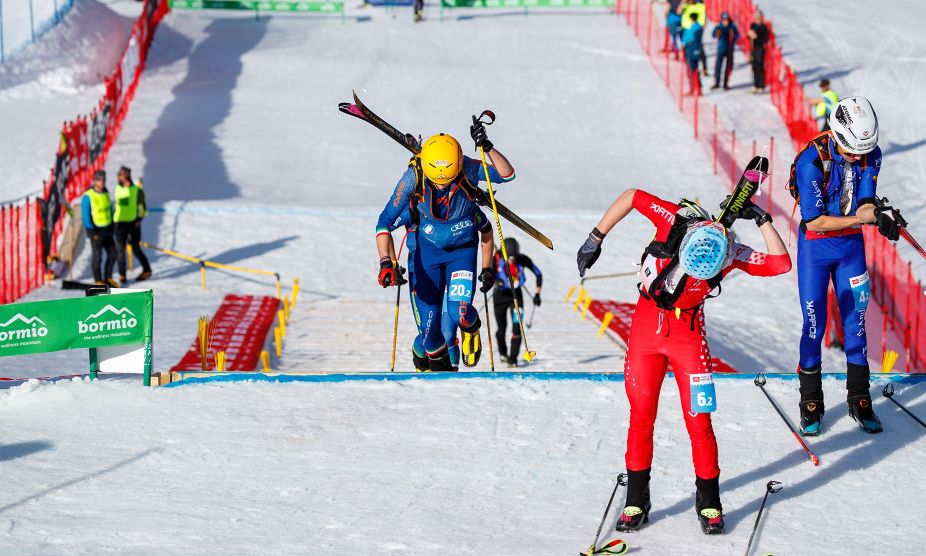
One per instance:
[(703, 395)]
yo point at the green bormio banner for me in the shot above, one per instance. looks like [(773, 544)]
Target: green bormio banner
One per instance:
[(83, 322)]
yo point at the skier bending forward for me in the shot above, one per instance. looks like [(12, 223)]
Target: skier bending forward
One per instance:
[(680, 268)]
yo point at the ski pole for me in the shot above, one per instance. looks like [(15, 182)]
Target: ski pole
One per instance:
[(621, 481), (760, 382), (530, 321), (528, 354), (772, 487), (604, 276), (903, 229), (398, 297), (888, 393), (485, 297)]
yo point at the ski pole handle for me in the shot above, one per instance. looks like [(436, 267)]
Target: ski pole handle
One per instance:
[(774, 487), (488, 114)]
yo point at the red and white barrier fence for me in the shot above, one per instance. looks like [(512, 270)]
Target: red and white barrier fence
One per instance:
[(84, 143)]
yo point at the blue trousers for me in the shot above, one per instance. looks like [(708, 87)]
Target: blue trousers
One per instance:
[(445, 282), (448, 328), (842, 260)]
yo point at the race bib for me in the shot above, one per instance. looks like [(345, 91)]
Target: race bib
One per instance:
[(861, 291), (703, 395), (460, 288)]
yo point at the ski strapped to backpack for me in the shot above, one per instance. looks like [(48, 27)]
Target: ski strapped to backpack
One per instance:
[(407, 140)]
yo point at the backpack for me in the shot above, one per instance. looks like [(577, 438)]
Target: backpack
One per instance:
[(824, 163), (652, 284)]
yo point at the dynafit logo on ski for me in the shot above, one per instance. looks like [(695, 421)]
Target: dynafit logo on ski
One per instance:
[(21, 330), (108, 322)]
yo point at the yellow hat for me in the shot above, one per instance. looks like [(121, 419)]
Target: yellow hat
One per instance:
[(441, 158)]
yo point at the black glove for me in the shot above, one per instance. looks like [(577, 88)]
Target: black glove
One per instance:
[(889, 222), (537, 299), (750, 211), (478, 132), (589, 252), (487, 277)]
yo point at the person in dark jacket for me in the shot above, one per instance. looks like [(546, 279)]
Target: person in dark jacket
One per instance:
[(758, 37), (505, 294), (96, 210), (726, 34)]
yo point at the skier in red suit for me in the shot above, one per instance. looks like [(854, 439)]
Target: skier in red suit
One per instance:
[(681, 268)]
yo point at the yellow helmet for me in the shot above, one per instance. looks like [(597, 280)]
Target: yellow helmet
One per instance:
[(441, 158)]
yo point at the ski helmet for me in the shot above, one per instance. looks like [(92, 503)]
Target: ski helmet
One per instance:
[(511, 247), (705, 250), (441, 158), (855, 125)]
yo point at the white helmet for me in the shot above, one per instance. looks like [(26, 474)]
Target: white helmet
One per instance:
[(855, 125)]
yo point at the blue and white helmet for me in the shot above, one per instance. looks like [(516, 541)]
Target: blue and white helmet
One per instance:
[(705, 250)]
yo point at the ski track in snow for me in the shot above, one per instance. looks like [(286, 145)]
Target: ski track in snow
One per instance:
[(235, 131)]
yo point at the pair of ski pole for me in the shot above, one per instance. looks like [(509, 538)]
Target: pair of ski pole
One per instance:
[(617, 546)]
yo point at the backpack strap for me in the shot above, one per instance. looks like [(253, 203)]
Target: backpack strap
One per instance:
[(418, 193)]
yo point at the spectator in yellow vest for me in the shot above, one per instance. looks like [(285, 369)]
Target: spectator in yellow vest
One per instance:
[(97, 214), (130, 210), (696, 7), (824, 104)]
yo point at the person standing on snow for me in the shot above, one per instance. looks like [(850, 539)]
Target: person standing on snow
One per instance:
[(686, 261), (758, 36), (130, 210), (834, 179), (96, 209), (692, 39), (446, 240), (726, 34), (504, 296), (697, 8), (823, 105)]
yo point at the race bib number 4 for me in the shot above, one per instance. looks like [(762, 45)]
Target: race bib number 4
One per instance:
[(461, 286), (703, 395), (861, 291)]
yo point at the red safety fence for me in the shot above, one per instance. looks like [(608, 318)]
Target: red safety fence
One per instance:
[(620, 324), (239, 328), (20, 250), (31, 231)]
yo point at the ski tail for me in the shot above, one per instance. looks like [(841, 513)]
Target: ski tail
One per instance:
[(756, 172)]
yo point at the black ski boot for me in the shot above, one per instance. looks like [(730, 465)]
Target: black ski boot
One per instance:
[(811, 417), (811, 400), (860, 410), (707, 504), (421, 363), (637, 505), (440, 362)]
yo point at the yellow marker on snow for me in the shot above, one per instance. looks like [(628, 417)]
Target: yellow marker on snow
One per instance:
[(265, 361), (580, 299), (605, 322), (277, 342), (588, 302), (888, 360), (282, 318), (286, 307), (295, 293), (572, 290), (220, 361)]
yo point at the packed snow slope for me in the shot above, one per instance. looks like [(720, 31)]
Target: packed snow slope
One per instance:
[(246, 159), (465, 467)]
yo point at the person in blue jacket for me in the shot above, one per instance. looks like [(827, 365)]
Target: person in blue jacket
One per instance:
[(446, 240), (726, 34), (96, 212), (448, 329), (505, 293), (836, 177), (692, 42)]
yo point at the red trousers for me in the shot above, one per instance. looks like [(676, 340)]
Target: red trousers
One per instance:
[(658, 338)]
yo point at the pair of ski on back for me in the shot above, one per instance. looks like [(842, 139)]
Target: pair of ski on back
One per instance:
[(742, 194)]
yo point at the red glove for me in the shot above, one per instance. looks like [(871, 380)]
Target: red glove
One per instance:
[(386, 273)]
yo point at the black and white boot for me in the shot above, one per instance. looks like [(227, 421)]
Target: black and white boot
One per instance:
[(707, 504), (637, 506), (860, 409)]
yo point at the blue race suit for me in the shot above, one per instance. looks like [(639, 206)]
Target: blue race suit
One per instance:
[(445, 250), (838, 256), (448, 329)]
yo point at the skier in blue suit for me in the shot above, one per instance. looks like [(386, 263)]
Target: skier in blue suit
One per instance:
[(446, 240), (836, 177)]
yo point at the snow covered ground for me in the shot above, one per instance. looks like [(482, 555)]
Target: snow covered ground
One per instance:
[(470, 467)]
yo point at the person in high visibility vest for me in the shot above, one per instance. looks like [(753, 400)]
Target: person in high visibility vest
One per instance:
[(130, 210), (699, 11), (97, 214), (823, 105)]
